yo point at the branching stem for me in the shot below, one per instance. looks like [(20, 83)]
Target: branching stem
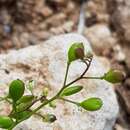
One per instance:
[(57, 96), (70, 101)]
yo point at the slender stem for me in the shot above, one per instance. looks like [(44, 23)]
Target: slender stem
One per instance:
[(88, 65), (8, 101), (70, 101), (65, 79), (38, 114), (5, 99), (14, 107), (30, 105), (92, 78), (45, 103), (66, 74), (79, 78)]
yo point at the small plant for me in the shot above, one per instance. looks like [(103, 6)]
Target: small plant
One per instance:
[(22, 104)]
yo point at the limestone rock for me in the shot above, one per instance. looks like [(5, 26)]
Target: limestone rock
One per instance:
[(100, 37), (46, 64)]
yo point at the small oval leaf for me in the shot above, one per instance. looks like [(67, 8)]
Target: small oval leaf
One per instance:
[(25, 99), (23, 106), (71, 90), (5, 122), (114, 76), (91, 104), (16, 89), (76, 51)]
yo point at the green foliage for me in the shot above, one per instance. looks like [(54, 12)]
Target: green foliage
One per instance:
[(21, 115), (114, 76), (91, 104), (71, 90), (25, 99), (16, 89), (5, 122), (22, 104)]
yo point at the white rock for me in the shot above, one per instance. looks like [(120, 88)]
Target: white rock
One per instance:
[(119, 55), (46, 63), (100, 37)]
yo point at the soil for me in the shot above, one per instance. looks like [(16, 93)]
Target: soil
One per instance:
[(29, 22)]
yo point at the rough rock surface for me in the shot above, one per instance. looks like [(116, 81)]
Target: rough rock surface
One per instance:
[(120, 17), (46, 64), (101, 39)]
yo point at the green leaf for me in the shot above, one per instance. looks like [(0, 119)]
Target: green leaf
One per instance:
[(21, 115), (5, 122), (71, 90), (114, 76), (76, 51), (23, 106), (16, 89), (92, 104), (49, 118), (25, 99)]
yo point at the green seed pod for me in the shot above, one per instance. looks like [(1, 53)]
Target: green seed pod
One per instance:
[(91, 104), (114, 76), (5, 122), (71, 90), (49, 118), (76, 51), (16, 89), (25, 99)]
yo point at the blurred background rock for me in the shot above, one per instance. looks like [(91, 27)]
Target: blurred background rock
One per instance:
[(107, 26)]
